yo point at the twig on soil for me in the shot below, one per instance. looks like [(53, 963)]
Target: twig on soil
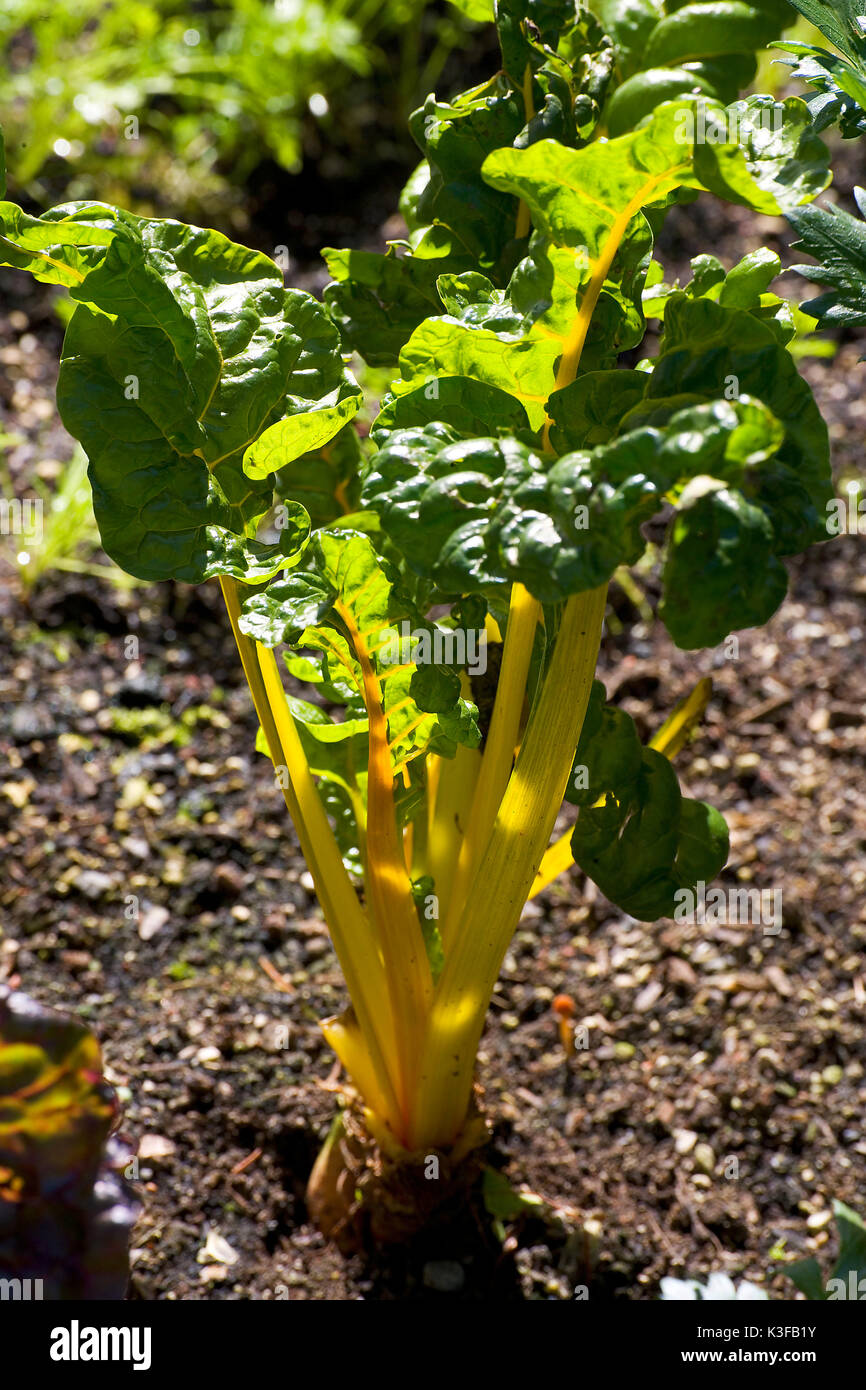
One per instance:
[(282, 984), (244, 1163), (236, 1197), (758, 712)]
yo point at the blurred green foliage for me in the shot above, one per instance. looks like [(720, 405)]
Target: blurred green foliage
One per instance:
[(68, 535), (170, 104)]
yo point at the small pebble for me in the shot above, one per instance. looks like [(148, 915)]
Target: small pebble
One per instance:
[(154, 1146), (152, 921), (705, 1159), (685, 1140), (818, 1220), (229, 880), (93, 884)]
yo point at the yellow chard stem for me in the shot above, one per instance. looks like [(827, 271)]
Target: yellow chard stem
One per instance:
[(434, 766), (501, 863), (526, 817), (389, 892), (453, 787), (669, 739), (523, 618), (350, 930), (558, 857), (569, 362), (524, 217)]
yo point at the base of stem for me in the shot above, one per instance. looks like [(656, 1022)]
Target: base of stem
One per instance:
[(363, 1194)]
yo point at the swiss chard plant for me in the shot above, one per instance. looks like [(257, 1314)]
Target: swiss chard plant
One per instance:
[(441, 586)]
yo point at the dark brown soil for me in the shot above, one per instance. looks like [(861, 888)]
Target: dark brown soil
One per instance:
[(153, 886)]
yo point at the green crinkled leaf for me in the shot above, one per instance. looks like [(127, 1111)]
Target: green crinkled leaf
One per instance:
[(790, 163), (751, 278), (308, 609), (312, 670), (303, 434), (458, 221), (512, 345), (56, 255), (609, 755), (609, 762), (703, 843), (648, 165), (455, 138), (326, 482), (183, 349), (591, 410), (745, 286), (570, 60), (336, 750), (480, 514), (471, 408), (709, 351), (377, 301), (464, 217), (720, 573), (253, 561), (514, 341), (645, 843)]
